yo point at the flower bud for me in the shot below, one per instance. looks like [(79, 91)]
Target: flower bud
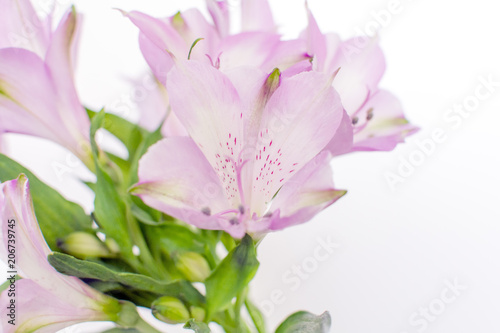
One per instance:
[(272, 83), (170, 310), (83, 245), (193, 266)]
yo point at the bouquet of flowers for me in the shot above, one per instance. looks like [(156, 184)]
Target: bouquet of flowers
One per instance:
[(237, 144)]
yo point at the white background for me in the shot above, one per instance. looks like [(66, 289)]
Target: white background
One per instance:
[(395, 247)]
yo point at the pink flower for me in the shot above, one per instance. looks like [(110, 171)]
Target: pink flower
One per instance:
[(253, 162), (189, 34), (377, 118), (45, 300), (37, 92), (21, 27)]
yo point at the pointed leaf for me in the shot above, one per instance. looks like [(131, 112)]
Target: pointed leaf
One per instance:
[(69, 265), (197, 326), (176, 237), (306, 322), (148, 140), (144, 217), (110, 208), (232, 275), (128, 133)]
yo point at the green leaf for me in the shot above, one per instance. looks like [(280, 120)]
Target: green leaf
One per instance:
[(175, 237), (56, 216), (105, 287), (128, 133), (306, 322), (111, 212), (90, 185), (110, 209), (228, 241), (124, 165), (197, 326), (135, 138), (149, 139), (231, 276), (211, 239), (96, 123), (83, 269), (144, 217)]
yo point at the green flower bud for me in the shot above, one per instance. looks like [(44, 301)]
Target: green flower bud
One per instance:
[(84, 245), (170, 310), (273, 81), (193, 266)]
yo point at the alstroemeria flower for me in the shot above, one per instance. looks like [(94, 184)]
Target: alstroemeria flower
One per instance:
[(376, 116), (21, 27), (46, 301), (253, 161), (256, 44), (37, 93)]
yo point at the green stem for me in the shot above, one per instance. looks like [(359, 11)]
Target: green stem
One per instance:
[(224, 319), (230, 324), (232, 321), (145, 255), (240, 299), (256, 315), (135, 264)]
